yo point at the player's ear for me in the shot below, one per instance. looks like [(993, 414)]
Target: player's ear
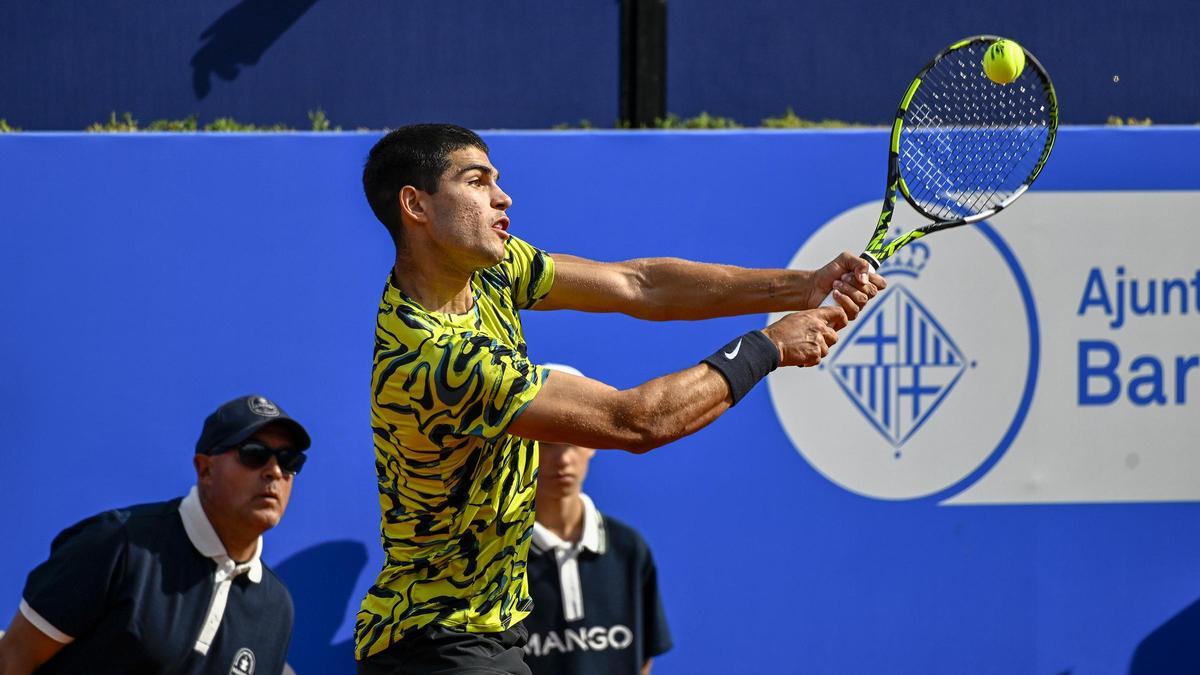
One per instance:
[(203, 464), (413, 204)]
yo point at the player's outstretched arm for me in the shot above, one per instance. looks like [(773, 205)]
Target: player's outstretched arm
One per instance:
[(589, 413), (667, 289)]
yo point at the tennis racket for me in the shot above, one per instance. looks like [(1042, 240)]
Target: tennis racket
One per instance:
[(964, 148)]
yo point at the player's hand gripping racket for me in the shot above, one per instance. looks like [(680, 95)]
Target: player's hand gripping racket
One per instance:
[(964, 147)]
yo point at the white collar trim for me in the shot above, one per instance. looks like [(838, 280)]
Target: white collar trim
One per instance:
[(593, 538), (202, 535)]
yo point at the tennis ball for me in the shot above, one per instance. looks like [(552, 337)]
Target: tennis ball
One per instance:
[(1003, 61)]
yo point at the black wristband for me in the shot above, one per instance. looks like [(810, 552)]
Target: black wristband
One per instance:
[(745, 361)]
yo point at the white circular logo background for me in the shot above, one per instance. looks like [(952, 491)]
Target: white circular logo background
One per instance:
[(923, 387)]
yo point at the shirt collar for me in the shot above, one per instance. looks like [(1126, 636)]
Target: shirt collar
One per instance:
[(593, 538), (202, 535)]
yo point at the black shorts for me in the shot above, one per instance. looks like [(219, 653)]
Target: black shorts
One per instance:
[(437, 650)]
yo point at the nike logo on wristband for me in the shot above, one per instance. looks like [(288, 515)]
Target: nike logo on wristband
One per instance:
[(733, 354)]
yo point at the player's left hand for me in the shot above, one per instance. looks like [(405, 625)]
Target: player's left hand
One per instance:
[(851, 281)]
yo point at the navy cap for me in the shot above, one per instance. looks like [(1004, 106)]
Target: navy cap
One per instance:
[(239, 419)]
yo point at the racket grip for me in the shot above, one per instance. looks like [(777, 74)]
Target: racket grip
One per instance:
[(829, 301)]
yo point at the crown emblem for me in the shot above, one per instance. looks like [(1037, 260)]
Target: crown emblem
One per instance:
[(908, 261)]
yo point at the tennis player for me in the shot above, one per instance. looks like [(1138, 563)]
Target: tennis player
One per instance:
[(457, 407)]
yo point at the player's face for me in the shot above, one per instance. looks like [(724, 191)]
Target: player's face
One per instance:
[(563, 469), (468, 220), (255, 498)]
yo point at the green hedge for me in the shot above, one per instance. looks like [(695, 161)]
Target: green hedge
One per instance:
[(126, 123), (318, 121)]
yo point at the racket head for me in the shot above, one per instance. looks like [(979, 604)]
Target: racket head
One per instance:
[(962, 146), (966, 146)]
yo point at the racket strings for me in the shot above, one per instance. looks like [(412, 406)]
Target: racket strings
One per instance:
[(965, 187), (970, 185), (964, 171), (984, 200), (927, 167), (1023, 143), (968, 144)]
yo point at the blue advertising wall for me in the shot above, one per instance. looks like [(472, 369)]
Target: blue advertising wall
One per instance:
[(148, 278), (538, 63)]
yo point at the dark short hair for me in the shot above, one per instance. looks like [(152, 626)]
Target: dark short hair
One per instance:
[(416, 155)]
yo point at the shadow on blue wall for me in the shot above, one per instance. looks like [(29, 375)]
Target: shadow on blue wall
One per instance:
[(1172, 647), (321, 580), (240, 37)]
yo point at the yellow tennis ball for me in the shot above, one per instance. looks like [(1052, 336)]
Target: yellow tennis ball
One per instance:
[(1003, 61)]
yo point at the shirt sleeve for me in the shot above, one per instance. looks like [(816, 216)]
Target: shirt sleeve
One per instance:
[(463, 385), (530, 271), (70, 591), (657, 637)]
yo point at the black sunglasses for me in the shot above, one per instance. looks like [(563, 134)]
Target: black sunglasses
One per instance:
[(255, 455)]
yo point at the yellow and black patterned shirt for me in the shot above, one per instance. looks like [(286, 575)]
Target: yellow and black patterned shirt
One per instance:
[(455, 490)]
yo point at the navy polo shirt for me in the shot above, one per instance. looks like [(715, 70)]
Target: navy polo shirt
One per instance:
[(141, 589), (607, 620)]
